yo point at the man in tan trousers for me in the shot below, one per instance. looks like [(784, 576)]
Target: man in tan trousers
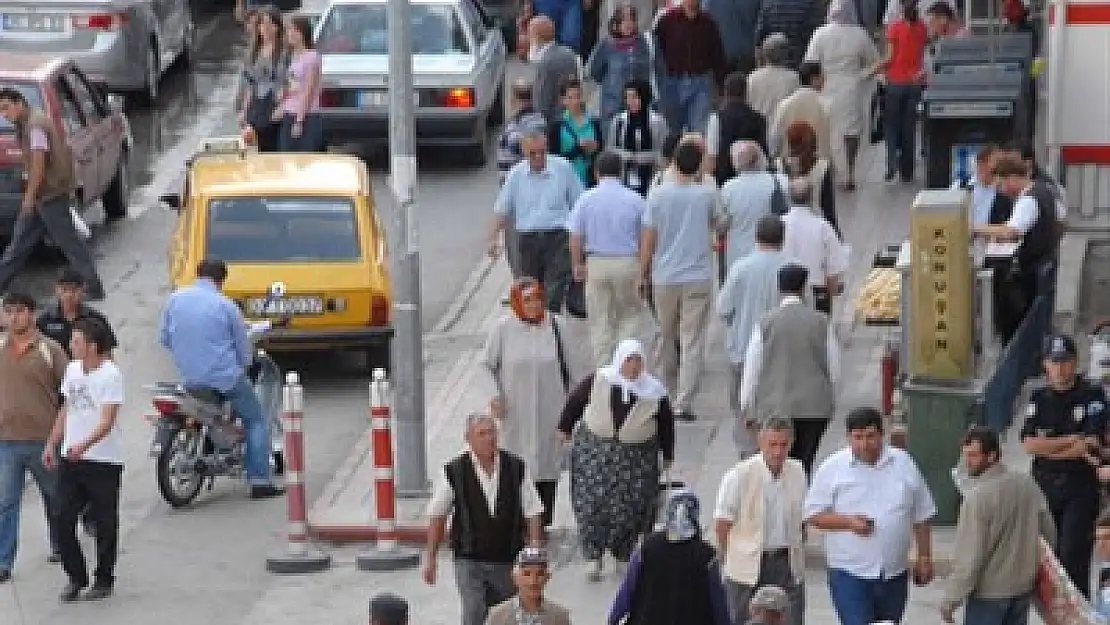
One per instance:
[(604, 230)]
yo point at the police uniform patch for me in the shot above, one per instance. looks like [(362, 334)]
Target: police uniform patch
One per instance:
[(1095, 407), (1078, 413), (1031, 410)]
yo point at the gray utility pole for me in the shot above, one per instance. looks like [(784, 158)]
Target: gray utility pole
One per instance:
[(408, 344)]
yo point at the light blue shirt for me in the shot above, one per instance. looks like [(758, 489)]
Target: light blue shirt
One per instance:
[(982, 198), (751, 289), (681, 214), (608, 218), (745, 199), (539, 200), (207, 336)]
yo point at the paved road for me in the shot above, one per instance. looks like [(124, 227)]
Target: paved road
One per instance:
[(205, 564)]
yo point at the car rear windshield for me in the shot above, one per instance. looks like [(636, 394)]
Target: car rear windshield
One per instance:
[(273, 229), (363, 29), (29, 91)]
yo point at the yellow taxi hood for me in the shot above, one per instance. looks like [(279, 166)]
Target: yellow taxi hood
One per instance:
[(305, 278)]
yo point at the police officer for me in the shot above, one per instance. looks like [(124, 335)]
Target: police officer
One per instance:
[(57, 321), (1064, 427)]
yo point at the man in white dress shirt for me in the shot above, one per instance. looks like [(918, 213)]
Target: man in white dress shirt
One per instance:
[(791, 367), (871, 499), (488, 522), (811, 241)]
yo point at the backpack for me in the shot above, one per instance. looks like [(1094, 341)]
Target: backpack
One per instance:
[(44, 349)]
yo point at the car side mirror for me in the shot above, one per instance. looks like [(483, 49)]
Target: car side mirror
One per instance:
[(171, 200)]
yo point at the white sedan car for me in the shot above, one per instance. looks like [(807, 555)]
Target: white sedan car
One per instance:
[(458, 61)]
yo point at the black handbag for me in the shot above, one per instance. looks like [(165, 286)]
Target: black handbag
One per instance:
[(576, 299), (260, 111), (878, 110)]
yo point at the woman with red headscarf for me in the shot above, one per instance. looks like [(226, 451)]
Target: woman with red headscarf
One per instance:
[(527, 360), (802, 162)]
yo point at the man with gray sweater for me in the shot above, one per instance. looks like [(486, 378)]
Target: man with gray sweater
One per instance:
[(1002, 516), (791, 367)]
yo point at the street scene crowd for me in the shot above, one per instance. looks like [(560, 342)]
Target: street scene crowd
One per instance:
[(702, 189)]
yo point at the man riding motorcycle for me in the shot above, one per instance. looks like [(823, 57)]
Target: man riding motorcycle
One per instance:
[(207, 336)]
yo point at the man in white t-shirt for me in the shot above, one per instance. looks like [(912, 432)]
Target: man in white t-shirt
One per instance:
[(91, 460)]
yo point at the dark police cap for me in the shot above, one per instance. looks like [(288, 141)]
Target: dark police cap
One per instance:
[(533, 556), (792, 277), (1061, 348), (70, 276), (389, 609)]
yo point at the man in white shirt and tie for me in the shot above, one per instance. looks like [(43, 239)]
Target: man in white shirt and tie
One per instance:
[(791, 367), (871, 499), (988, 206)]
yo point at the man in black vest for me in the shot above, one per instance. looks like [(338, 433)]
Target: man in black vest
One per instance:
[(1034, 219), (735, 120), (492, 501)]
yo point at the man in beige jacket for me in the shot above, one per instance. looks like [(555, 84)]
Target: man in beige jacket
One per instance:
[(759, 523), (530, 574), (1002, 517)]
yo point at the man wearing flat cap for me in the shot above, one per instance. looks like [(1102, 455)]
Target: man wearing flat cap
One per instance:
[(769, 606), (529, 607), (389, 609)]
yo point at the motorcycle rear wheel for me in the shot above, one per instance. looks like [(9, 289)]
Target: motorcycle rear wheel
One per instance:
[(180, 440)]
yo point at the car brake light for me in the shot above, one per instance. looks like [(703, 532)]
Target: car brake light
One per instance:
[(379, 311), (459, 98), (331, 99), (166, 405), (100, 21)]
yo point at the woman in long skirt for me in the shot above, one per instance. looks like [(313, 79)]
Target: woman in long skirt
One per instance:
[(626, 423)]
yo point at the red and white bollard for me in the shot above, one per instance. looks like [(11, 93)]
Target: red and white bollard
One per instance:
[(888, 364), (300, 557), (387, 554)]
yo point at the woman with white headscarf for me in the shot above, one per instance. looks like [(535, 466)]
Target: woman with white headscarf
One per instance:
[(677, 557), (747, 197), (846, 54), (621, 422)]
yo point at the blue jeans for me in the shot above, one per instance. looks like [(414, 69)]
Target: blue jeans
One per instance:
[(17, 458), (246, 406), (312, 134), (567, 15), (900, 128), (861, 601), (1013, 611), (685, 102)]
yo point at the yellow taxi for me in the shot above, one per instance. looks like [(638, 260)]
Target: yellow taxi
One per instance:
[(303, 221)]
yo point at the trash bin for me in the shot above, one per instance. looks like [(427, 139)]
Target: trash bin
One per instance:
[(937, 417)]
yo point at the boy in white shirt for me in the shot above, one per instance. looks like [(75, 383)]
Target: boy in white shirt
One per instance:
[(91, 461)]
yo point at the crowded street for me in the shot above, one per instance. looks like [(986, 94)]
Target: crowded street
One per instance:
[(756, 452)]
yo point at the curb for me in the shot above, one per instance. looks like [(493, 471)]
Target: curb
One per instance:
[(470, 288)]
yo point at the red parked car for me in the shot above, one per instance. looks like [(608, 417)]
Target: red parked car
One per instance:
[(97, 133)]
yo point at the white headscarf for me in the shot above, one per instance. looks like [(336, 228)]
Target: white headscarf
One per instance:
[(644, 386)]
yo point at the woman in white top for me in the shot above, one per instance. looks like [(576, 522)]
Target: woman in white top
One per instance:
[(846, 54)]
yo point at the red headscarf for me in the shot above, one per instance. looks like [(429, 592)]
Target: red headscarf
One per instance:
[(521, 288)]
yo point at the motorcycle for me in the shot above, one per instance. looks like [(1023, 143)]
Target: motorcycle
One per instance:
[(197, 438)]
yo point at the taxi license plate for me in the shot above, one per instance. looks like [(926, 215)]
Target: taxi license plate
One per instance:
[(379, 98), (302, 305), (33, 23)]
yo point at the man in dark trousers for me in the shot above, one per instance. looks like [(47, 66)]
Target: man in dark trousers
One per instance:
[(492, 502), (47, 193), (57, 321), (791, 367), (736, 120), (1065, 423)]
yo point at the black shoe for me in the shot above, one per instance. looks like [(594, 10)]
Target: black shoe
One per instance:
[(55, 557), (5, 575), (686, 415), (71, 593), (266, 491), (98, 592)]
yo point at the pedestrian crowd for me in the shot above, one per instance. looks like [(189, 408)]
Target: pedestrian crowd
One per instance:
[(705, 185)]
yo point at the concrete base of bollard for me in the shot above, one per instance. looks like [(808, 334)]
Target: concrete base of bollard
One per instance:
[(311, 561), (395, 559)]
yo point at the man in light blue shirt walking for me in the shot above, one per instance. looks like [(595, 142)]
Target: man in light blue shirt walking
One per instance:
[(750, 291), (604, 244), (537, 195), (676, 255), (206, 335)]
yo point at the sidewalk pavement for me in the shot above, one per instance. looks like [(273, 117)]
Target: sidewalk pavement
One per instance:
[(873, 217)]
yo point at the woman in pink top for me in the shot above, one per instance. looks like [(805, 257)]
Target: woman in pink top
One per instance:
[(301, 127), (904, 66)]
